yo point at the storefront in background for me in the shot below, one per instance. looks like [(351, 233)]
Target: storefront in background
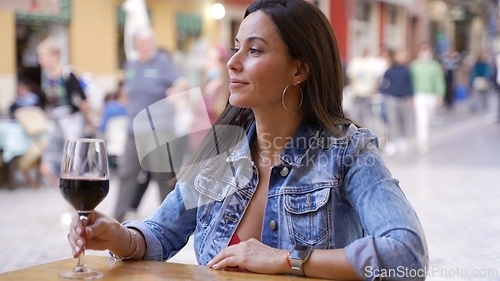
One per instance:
[(91, 34)]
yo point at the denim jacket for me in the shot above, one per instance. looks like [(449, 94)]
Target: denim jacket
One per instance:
[(329, 191)]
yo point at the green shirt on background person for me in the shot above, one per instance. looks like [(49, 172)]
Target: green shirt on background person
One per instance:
[(427, 77)]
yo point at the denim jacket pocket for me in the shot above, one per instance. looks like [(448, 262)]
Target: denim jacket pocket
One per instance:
[(213, 189), (308, 214)]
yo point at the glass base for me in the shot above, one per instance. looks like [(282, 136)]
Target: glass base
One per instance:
[(81, 272)]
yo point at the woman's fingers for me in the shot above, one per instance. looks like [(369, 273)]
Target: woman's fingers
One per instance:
[(77, 235), (77, 244), (227, 262), (251, 255), (228, 256), (102, 232), (76, 224), (219, 257), (72, 244), (76, 241), (97, 233)]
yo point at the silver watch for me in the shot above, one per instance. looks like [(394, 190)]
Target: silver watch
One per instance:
[(297, 257)]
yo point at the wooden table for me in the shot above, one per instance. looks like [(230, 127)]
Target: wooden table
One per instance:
[(138, 270)]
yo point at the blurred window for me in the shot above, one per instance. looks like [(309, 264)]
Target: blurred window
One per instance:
[(363, 11), (120, 34), (188, 29), (363, 26), (393, 14), (394, 28)]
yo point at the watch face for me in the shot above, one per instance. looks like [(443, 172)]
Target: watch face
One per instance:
[(300, 252)]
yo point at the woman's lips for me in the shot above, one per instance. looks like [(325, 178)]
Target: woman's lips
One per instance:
[(236, 83)]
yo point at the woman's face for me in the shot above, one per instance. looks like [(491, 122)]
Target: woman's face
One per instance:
[(261, 67)]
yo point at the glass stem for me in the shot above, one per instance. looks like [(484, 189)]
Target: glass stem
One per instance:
[(81, 266)]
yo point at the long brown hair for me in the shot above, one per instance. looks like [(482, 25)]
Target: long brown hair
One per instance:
[(308, 36)]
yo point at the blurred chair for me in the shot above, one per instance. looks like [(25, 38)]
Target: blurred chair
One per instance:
[(35, 123), (115, 136)]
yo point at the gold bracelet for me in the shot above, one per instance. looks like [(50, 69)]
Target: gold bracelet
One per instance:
[(133, 235)]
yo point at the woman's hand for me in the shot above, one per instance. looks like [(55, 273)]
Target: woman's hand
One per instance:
[(99, 233), (253, 256)]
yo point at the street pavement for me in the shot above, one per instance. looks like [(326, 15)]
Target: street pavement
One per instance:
[(454, 190)]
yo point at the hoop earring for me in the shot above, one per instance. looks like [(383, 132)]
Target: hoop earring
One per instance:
[(283, 99)]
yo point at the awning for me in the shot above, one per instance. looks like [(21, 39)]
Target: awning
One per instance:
[(44, 11), (402, 3), (32, 6), (412, 6)]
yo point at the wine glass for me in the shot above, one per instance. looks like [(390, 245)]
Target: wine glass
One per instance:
[(84, 183)]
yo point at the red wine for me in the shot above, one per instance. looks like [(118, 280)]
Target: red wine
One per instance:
[(84, 194)]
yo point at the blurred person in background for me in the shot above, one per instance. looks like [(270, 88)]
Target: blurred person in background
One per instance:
[(450, 61), (115, 104), (398, 100), (147, 80), (25, 96), (429, 87), (215, 86), (364, 80), (480, 83), (115, 108), (382, 63), (66, 105), (462, 80), (495, 77), (215, 91)]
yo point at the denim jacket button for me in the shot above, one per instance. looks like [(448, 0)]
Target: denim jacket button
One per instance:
[(272, 225), (284, 171)]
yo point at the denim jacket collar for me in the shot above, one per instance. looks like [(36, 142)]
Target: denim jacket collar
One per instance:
[(306, 137)]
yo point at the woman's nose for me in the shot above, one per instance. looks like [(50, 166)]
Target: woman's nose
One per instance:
[(234, 63)]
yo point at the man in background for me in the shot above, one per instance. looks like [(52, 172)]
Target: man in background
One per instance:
[(147, 81)]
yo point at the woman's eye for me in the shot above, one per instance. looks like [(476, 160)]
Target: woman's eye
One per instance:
[(254, 51), (250, 50)]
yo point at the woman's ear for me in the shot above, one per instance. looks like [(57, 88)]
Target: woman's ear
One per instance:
[(302, 71)]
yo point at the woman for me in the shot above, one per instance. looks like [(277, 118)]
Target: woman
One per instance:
[(326, 199), (215, 92)]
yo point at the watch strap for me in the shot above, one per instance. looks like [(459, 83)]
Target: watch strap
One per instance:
[(297, 264)]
